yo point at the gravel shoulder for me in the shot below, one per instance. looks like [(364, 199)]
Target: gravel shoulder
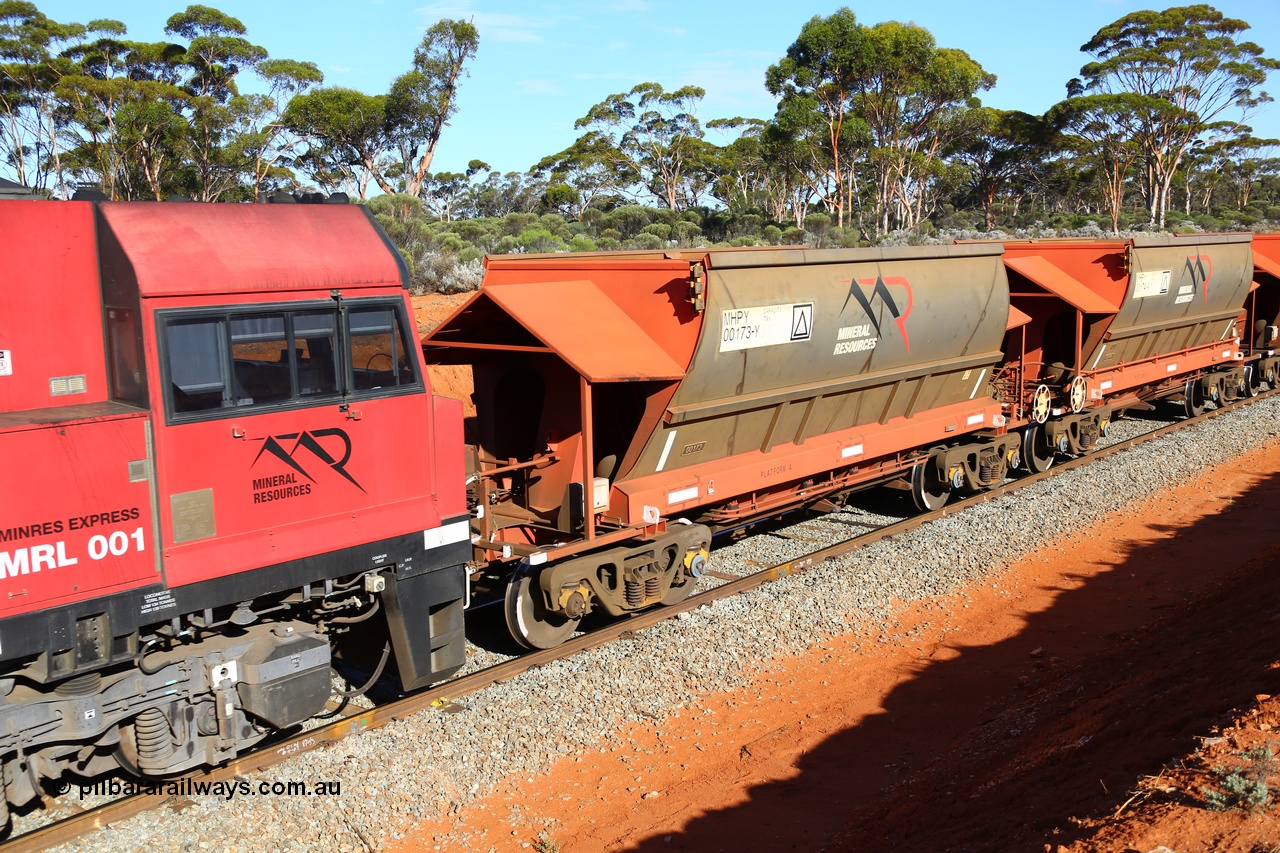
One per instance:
[(873, 625), (1003, 717)]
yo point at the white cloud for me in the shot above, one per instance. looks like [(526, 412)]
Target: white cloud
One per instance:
[(678, 32), (539, 87), (492, 25), (340, 69)]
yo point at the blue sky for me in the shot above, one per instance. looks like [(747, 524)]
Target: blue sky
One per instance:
[(542, 65)]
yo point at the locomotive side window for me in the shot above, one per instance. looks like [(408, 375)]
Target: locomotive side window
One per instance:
[(230, 359), (315, 344), (260, 360), (379, 357), (197, 364), (124, 343)]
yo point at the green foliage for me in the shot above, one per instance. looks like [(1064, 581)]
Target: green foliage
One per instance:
[(1243, 786), (423, 100), (648, 137), (1173, 75), (658, 229), (535, 240)]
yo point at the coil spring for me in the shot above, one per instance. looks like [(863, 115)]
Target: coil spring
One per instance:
[(651, 586), (1088, 435), (989, 469), (155, 742), (634, 593), (82, 685)]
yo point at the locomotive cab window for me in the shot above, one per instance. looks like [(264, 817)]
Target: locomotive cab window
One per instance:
[(379, 357), (229, 359)]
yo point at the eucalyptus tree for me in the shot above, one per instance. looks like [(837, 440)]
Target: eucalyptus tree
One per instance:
[(816, 82), (30, 67), (757, 171), (1104, 130), (1184, 75), (345, 135), (215, 54), (1002, 147), (126, 112), (592, 169), (653, 135), (263, 138), (887, 95), (423, 100)]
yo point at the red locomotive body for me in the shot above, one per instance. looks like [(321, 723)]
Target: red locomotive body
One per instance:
[(204, 415)]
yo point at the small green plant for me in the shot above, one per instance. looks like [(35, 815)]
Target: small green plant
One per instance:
[(545, 844), (1245, 785)]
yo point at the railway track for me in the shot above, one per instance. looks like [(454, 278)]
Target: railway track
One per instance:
[(441, 696)]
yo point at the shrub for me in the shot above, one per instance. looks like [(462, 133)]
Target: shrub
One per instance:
[(686, 233), (648, 241), (1245, 785), (463, 277), (536, 240)]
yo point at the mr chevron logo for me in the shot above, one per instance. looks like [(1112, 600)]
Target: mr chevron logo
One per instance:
[(1199, 268), (865, 291), (287, 447)]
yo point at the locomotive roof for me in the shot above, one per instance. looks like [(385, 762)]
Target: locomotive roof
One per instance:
[(193, 249)]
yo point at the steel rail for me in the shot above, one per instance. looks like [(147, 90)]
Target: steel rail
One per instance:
[(70, 828)]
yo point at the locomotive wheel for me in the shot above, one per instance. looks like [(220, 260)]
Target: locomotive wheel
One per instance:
[(528, 620), (1037, 454), (1193, 399), (928, 490)]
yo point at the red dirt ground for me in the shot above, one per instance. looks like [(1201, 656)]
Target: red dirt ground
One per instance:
[(446, 380), (1025, 715)]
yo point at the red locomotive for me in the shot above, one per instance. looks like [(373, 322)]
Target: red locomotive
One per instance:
[(205, 411), (227, 465)]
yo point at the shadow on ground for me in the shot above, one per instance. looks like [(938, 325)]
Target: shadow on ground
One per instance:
[(999, 747)]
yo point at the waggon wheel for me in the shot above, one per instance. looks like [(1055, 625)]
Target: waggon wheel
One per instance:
[(928, 490), (1251, 384), (1037, 454), (688, 567), (1193, 398), (1041, 402), (677, 594), (528, 619)]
